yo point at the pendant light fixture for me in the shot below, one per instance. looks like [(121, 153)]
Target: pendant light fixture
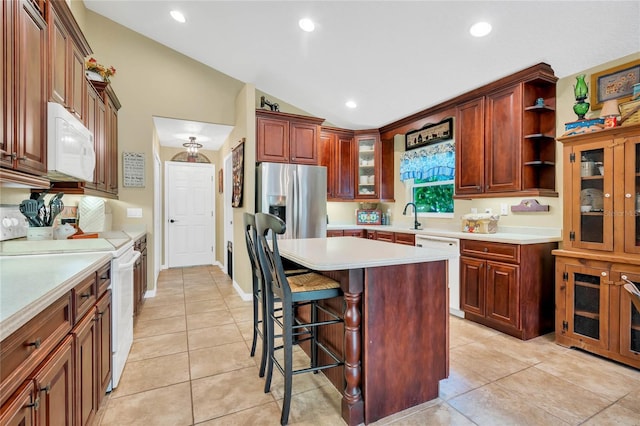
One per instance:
[(192, 149)]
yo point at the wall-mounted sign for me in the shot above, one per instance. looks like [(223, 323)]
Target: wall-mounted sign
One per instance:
[(133, 170), (429, 134)]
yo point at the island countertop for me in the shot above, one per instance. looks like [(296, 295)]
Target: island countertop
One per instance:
[(338, 253), (28, 284)]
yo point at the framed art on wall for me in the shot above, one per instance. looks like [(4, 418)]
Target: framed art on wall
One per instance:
[(429, 134), (237, 160), (614, 83)]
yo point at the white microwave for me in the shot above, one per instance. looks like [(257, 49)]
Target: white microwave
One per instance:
[(70, 153)]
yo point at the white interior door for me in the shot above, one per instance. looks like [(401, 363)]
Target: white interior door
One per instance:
[(190, 214)]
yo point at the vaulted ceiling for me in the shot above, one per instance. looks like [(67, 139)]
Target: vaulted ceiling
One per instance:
[(393, 58)]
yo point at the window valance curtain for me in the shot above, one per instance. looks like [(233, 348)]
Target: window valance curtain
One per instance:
[(433, 163)]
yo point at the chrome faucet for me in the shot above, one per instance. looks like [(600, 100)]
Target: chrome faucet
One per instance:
[(416, 224)]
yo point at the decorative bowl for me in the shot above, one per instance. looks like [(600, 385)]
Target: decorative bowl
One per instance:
[(585, 209), (368, 206)]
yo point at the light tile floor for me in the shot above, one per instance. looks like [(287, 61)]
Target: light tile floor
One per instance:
[(190, 364)]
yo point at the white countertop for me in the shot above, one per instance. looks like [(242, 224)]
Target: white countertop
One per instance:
[(28, 284), (333, 254), (512, 235)]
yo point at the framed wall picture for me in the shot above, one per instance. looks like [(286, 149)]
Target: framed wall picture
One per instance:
[(614, 83), (220, 183), (237, 161), (429, 134)]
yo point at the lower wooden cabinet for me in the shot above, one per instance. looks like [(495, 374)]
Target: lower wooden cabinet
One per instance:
[(393, 237), (508, 287), (56, 368), (86, 338), (55, 383), (104, 349), (140, 275), (593, 310)]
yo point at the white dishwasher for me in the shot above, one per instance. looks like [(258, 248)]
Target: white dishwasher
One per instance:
[(448, 245)]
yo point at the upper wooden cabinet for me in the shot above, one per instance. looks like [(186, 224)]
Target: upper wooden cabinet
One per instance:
[(505, 139), (24, 88), (336, 153), (67, 50), (287, 138), (602, 191)]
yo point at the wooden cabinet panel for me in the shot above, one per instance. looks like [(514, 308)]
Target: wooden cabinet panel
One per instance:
[(385, 236), (55, 382), (86, 336), (58, 59), (30, 90), (360, 233), (405, 238), (84, 296), (470, 147), (472, 285), (111, 144), (304, 143), (7, 8), (103, 351), (20, 410), (630, 321), (503, 298), (503, 127), (140, 275), (336, 153), (335, 233), (491, 250), (273, 140)]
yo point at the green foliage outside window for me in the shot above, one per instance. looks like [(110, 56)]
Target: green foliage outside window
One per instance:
[(433, 197)]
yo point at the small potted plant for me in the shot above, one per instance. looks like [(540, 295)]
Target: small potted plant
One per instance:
[(98, 72)]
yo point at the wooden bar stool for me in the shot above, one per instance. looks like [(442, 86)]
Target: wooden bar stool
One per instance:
[(293, 292), (259, 315)]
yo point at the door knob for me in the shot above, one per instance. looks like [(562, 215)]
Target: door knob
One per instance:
[(172, 220)]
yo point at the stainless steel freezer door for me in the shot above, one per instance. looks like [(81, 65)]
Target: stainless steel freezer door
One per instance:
[(310, 202), (298, 191)]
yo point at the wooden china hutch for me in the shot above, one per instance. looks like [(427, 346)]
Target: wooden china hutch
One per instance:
[(601, 244)]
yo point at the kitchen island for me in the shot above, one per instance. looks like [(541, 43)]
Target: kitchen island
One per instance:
[(396, 324)]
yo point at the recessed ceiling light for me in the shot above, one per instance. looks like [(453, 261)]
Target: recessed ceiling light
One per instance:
[(306, 24), (178, 16), (351, 104), (480, 29)]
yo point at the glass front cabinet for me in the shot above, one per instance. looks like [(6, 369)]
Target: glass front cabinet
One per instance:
[(368, 157), (601, 244)]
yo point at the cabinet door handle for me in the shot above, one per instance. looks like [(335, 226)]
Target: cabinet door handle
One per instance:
[(607, 195), (85, 295), (485, 249), (35, 404), (45, 389), (36, 343), (627, 195)]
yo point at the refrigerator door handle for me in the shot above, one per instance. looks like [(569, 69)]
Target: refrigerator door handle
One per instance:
[(296, 205)]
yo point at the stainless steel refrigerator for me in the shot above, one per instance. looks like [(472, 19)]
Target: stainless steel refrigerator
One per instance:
[(297, 194)]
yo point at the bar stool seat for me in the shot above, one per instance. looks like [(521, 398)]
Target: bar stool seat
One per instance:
[(293, 293)]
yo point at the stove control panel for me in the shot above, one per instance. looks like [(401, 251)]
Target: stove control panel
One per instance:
[(13, 224)]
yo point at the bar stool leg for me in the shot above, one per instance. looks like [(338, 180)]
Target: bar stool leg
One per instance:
[(268, 341), (255, 317), (265, 334), (314, 335), (288, 361)]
